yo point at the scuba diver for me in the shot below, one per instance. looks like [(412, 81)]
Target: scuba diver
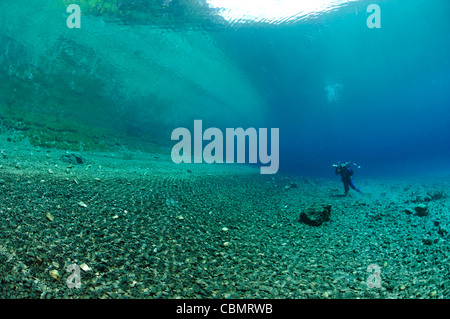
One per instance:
[(346, 173)]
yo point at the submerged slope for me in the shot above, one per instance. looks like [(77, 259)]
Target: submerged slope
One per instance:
[(140, 80)]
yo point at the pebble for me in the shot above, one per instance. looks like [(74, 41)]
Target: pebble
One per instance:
[(81, 204), (55, 274), (49, 216), (85, 267)]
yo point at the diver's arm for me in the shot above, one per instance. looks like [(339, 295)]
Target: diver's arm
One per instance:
[(356, 165)]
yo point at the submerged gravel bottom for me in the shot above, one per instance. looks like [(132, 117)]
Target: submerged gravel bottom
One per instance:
[(216, 235)]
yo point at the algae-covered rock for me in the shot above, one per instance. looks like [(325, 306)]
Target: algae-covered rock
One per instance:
[(421, 210)]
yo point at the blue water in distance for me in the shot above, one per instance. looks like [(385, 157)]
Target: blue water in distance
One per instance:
[(340, 91)]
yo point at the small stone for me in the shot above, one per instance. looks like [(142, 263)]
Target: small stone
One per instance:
[(180, 217), (49, 216), (421, 210), (433, 293), (375, 217), (72, 159), (224, 229), (81, 204), (55, 274), (316, 215), (85, 267), (227, 243)]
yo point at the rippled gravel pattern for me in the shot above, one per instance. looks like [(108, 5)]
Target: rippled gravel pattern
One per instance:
[(148, 228)]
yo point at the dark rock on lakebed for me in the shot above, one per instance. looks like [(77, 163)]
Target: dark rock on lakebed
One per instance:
[(421, 210), (72, 159), (316, 215)]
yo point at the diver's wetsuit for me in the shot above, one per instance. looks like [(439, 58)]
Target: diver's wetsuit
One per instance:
[(346, 177)]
